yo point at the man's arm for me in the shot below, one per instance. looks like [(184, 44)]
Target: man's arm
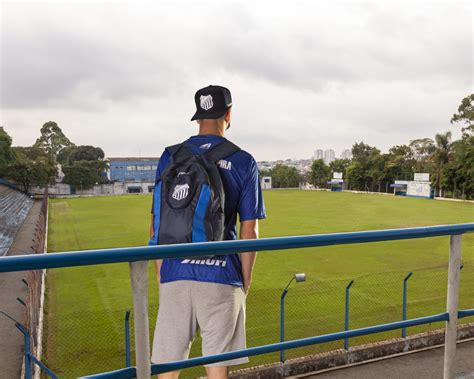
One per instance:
[(248, 230), (157, 261)]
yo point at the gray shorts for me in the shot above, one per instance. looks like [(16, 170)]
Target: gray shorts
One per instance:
[(218, 310)]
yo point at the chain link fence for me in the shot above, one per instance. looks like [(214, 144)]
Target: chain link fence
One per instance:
[(34, 281), (92, 342)]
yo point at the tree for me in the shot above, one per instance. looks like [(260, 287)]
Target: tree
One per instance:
[(458, 174), (339, 165), (52, 139), (73, 153), (320, 173), (422, 147), (376, 172), (361, 152), (285, 176), (66, 155), (365, 170), (400, 163), (70, 155), (82, 174), (440, 158), (6, 152), (465, 114), (32, 166)]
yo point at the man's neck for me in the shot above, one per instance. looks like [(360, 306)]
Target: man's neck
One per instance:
[(215, 130)]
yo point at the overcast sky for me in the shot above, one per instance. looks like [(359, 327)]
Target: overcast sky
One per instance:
[(303, 74)]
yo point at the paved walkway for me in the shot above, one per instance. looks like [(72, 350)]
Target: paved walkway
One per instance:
[(426, 364), (11, 287)]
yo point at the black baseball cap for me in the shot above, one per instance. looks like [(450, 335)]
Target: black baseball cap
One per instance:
[(212, 102)]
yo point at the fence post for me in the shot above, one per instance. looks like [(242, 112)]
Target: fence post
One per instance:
[(27, 348), (346, 318), (404, 305), (127, 339), (282, 322), (139, 279), (452, 305)]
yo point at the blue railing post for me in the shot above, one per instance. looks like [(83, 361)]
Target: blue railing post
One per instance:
[(346, 318), (26, 338), (29, 358), (127, 339), (404, 304), (282, 322)]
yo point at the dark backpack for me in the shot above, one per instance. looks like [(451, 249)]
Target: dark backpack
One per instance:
[(189, 198)]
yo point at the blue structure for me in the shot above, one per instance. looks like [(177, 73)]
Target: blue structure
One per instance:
[(337, 185), (133, 169)]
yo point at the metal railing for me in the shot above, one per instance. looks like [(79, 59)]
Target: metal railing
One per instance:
[(138, 257)]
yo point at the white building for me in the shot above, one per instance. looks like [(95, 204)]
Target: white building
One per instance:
[(318, 154), (266, 182), (329, 156), (346, 154)]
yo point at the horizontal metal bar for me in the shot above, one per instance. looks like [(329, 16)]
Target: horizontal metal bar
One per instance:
[(172, 366), (131, 254), (466, 313)]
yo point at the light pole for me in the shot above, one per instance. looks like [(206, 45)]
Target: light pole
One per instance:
[(298, 278)]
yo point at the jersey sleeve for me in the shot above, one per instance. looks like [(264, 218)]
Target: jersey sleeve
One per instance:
[(251, 206)]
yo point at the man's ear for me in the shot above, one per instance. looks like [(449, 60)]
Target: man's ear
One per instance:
[(228, 117)]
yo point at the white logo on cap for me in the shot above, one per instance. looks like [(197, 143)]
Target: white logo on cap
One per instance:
[(180, 192), (206, 102)]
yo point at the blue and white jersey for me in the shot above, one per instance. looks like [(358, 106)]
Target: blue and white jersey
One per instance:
[(243, 196)]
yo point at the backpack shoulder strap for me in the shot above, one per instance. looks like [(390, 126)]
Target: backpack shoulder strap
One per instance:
[(179, 152), (222, 150)]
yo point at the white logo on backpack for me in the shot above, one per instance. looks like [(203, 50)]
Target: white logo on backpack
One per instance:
[(206, 102), (180, 192)]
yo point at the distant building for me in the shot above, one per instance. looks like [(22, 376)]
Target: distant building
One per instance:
[(346, 154), (133, 169), (329, 156), (318, 154)]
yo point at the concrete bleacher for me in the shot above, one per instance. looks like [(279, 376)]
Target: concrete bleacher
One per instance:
[(14, 207)]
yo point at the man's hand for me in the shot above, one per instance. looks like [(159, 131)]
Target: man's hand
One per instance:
[(248, 230)]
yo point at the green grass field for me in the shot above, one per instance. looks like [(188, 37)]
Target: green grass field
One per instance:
[(86, 305)]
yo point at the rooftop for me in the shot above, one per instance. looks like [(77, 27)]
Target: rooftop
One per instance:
[(122, 159)]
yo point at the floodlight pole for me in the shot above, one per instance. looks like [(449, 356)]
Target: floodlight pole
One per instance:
[(452, 305), (139, 279)]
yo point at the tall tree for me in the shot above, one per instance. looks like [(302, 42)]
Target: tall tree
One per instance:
[(52, 139), (440, 158), (465, 114)]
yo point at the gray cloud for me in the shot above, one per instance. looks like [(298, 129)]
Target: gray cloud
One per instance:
[(303, 74)]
